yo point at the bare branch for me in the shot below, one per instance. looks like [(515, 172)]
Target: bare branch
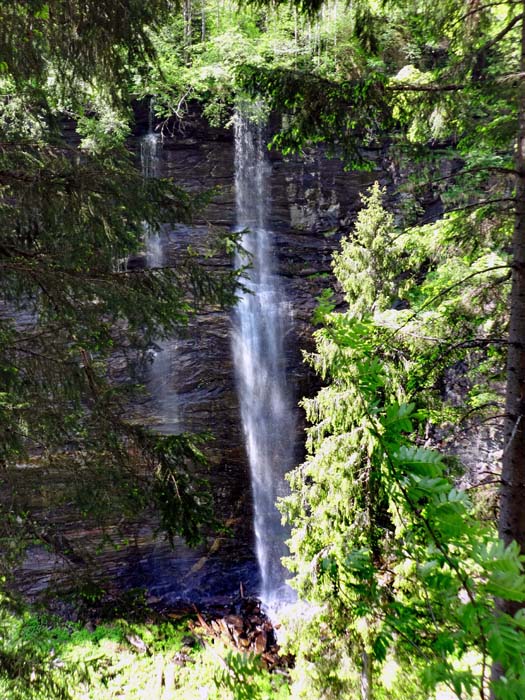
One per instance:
[(473, 205), (500, 35), (480, 8), (443, 293), (477, 169), (428, 87)]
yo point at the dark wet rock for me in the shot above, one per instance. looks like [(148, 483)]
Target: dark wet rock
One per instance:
[(189, 641), (138, 643), (313, 202), (136, 262)]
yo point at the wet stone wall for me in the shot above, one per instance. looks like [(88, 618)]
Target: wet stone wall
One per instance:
[(313, 201)]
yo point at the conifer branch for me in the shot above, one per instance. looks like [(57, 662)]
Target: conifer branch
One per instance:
[(443, 293)]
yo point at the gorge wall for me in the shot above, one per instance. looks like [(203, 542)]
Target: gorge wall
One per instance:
[(191, 381)]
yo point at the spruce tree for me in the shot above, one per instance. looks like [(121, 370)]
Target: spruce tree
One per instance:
[(445, 81), (70, 309)]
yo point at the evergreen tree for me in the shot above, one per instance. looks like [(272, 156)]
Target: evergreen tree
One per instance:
[(446, 80), (402, 570), (74, 320), (70, 310)]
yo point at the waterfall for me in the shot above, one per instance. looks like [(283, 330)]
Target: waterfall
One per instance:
[(161, 373), (150, 152), (261, 319)]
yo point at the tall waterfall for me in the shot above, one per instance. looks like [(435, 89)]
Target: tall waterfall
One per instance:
[(261, 319)]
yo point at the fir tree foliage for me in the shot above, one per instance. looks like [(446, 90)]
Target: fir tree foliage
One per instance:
[(50, 46), (448, 76), (403, 572), (74, 320), (363, 266), (257, 47)]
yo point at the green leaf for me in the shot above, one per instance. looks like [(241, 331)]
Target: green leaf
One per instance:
[(43, 12), (418, 460)]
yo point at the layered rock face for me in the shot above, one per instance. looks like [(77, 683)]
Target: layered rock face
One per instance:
[(191, 379)]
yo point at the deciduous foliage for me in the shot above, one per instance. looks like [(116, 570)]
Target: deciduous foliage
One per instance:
[(404, 571)]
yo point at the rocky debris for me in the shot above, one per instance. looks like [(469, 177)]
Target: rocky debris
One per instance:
[(139, 644), (246, 628), (181, 658)]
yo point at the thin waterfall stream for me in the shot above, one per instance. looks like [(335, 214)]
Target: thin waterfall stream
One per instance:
[(150, 153), (161, 372), (261, 320)]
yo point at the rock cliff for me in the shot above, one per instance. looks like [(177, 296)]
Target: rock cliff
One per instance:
[(191, 381)]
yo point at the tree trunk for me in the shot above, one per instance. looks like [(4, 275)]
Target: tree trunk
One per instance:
[(187, 13), (512, 506), (512, 494)]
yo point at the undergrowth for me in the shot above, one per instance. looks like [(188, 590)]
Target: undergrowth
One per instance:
[(43, 657)]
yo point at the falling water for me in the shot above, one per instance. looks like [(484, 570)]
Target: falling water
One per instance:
[(261, 319), (162, 369), (150, 153)]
